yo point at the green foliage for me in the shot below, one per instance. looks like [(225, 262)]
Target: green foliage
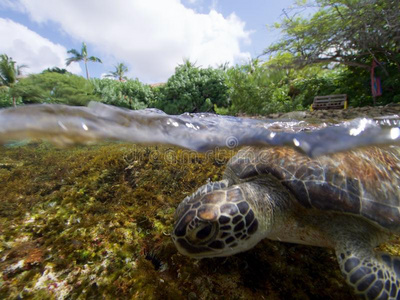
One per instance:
[(130, 94), (325, 82), (258, 89), (351, 34), (354, 82), (6, 100), (248, 88), (221, 110), (5, 97), (9, 73), (348, 32), (390, 86), (193, 89), (52, 87)]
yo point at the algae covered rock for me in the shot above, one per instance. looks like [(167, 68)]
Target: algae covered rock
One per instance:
[(95, 222)]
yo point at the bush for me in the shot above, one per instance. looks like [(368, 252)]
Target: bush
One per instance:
[(248, 89), (5, 97), (52, 87), (192, 89), (130, 94), (354, 82), (304, 89), (256, 89)]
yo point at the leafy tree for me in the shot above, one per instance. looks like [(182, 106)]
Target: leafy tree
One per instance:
[(120, 70), (53, 87), (130, 94), (257, 88), (350, 32), (82, 56), (9, 73), (193, 89)]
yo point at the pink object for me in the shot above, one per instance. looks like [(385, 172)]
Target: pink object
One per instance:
[(376, 87)]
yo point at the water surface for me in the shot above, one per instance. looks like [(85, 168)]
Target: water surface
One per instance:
[(66, 125)]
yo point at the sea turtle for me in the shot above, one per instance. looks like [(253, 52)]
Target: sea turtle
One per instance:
[(347, 201)]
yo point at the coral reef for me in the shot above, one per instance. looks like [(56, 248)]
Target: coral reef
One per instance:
[(94, 222)]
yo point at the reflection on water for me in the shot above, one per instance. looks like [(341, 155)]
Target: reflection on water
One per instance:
[(65, 125)]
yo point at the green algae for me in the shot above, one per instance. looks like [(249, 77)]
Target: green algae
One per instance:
[(94, 222)]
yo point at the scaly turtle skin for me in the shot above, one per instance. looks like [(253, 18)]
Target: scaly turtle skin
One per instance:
[(346, 201)]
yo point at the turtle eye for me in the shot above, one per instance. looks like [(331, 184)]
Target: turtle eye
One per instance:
[(203, 233)]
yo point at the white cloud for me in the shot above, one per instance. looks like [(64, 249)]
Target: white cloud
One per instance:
[(29, 48), (151, 36)]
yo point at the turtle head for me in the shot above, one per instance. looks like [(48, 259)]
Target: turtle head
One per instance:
[(215, 221)]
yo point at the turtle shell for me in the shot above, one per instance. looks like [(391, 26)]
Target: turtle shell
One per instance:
[(363, 182)]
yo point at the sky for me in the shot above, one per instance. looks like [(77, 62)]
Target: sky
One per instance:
[(151, 37)]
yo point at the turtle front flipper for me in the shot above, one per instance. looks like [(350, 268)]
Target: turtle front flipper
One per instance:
[(372, 275)]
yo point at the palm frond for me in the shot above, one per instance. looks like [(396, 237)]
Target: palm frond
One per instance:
[(121, 68), (69, 60), (75, 58), (19, 69), (94, 59), (111, 75), (8, 72), (74, 52)]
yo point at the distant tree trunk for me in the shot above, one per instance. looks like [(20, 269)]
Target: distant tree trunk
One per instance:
[(14, 102), (87, 71)]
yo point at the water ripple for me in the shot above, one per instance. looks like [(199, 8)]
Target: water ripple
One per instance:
[(66, 125)]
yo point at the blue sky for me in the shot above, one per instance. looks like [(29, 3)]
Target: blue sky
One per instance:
[(150, 36)]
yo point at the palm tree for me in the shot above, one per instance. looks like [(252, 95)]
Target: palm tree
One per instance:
[(82, 56), (187, 64), (119, 72), (9, 73)]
